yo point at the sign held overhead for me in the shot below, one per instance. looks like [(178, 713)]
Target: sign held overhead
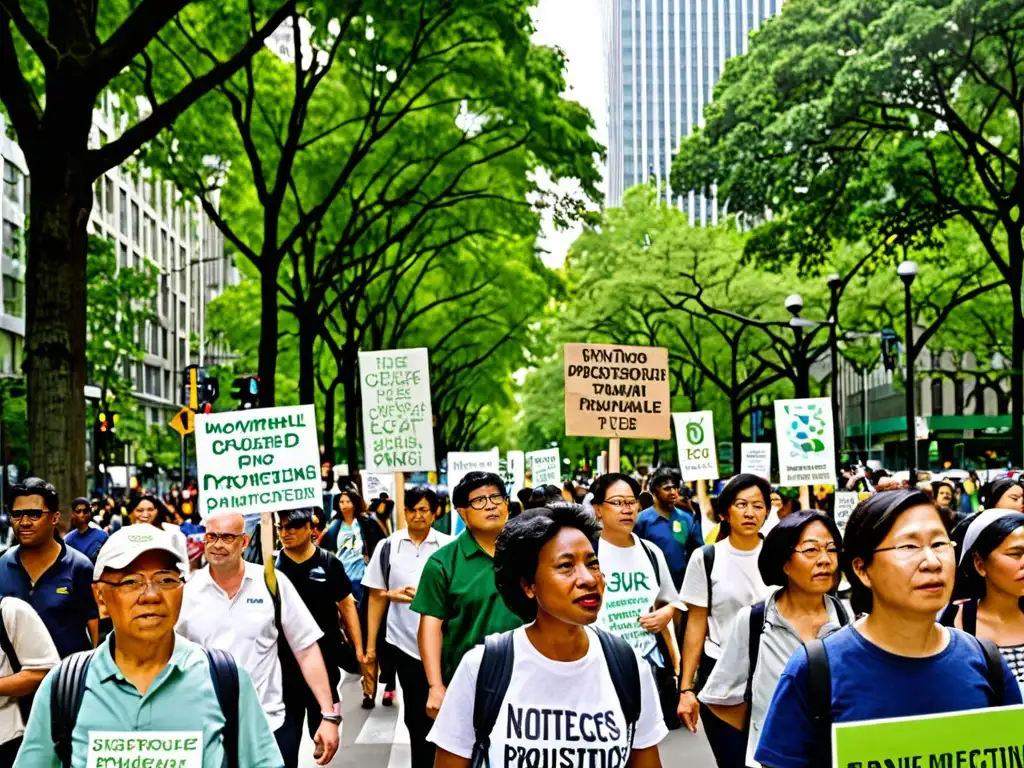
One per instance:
[(695, 438), (806, 441)]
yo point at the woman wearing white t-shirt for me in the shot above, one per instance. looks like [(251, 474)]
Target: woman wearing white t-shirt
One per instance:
[(735, 583), (561, 706)]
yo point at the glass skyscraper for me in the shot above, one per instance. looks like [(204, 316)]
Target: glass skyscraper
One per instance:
[(663, 59)]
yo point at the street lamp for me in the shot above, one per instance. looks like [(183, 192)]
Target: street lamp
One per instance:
[(795, 305), (907, 272), (835, 285)]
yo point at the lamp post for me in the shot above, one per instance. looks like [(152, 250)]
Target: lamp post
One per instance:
[(907, 272), (795, 305), (835, 284)]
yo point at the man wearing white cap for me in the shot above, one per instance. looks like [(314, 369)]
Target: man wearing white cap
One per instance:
[(146, 694)]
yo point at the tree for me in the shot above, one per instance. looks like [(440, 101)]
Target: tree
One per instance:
[(50, 83), (853, 120)]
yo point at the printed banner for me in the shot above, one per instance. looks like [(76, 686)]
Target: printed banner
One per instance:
[(846, 502), (977, 738), (460, 465), (615, 391), (806, 441), (398, 429), (756, 459), (145, 748), (546, 467), (260, 460), (695, 438)]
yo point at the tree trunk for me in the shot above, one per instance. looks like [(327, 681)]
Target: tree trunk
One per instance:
[(1017, 362), (350, 383), (735, 407), (656, 455), (330, 408), (268, 328), (307, 361)]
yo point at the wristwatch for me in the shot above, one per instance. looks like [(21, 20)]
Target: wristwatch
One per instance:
[(336, 719)]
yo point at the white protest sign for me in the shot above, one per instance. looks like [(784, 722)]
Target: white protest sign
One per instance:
[(846, 502), (398, 431), (756, 459), (461, 464), (546, 467), (515, 472), (263, 460), (183, 749), (602, 462), (806, 441), (695, 438), (374, 485)]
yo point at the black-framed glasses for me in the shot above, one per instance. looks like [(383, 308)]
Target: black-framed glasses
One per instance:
[(31, 514), (480, 502), (622, 503), (227, 538), (291, 525), (132, 585), (667, 487)]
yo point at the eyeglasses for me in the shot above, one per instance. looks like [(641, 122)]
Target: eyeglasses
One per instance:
[(743, 506), (620, 503), (812, 551), (908, 552), (31, 514), (133, 585), (291, 525), (667, 487), (227, 538), (480, 502)]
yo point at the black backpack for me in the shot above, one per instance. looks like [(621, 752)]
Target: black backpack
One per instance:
[(495, 674), (69, 688), (819, 690)]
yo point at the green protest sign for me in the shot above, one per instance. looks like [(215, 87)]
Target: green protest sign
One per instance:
[(981, 738)]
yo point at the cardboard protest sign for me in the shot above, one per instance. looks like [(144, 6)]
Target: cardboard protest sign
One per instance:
[(756, 459), (398, 431), (617, 391), (461, 464), (806, 441), (979, 737), (695, 439), (149, 748), (546, 467), (260, 460), (846, 502)]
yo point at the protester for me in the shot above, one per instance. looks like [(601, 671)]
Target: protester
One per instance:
[(896, 661), (457, 601), (944, 493), (42, 570), (1004, 493), (150, 509), (320, 580), (145, 680), (775, 513), (344, 537), (84, 536), (674, 531), (715, 596), (991, 577), (393, 577), (228, 605), (800, 555), (548, 573)]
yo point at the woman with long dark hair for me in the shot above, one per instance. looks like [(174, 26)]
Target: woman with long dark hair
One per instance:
[(150, 509)]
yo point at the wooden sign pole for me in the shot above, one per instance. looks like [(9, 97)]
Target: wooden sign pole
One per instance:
[(400, 499), (613, 455)]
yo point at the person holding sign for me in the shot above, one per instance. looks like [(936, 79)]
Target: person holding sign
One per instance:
[(147, 695), (895, 662)]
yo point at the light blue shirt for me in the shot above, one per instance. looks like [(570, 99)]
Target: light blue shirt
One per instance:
[(181, 698)]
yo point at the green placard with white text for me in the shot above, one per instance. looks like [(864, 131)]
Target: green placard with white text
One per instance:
[(981, 738)]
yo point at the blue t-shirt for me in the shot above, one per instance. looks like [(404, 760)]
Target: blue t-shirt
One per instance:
[(869, 683), (677, 538), (87, 543)]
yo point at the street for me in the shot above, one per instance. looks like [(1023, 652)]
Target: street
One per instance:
[(379, 739)]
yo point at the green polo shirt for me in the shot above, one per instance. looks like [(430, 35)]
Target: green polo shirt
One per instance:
[(457, 586), (181, 698)]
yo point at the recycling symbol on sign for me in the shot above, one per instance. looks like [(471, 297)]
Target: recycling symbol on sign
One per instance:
[(695, 433)]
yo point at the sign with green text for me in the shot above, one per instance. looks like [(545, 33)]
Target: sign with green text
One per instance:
[(260, 460), (695, 438), (981, 738), (398, 422), (177, 749)]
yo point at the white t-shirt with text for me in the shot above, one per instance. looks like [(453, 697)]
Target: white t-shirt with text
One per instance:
[(555, 713)]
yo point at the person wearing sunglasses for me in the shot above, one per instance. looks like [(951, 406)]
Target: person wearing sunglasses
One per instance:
[(42, 570), (896, 661), (457, 599)]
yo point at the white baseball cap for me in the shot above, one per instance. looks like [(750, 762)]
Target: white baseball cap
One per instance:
[(121, 549)]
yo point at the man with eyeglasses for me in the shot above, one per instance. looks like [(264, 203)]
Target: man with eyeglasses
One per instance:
[(457, 599), (393, 578), (319, 578), (47, 574), (228, 605), (674, 531), (145, 681), (84, 536)]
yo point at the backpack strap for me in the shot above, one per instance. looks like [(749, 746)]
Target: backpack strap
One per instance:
[(270, 579), (844, 618), (819, 698), (65, 701), (993, 671), (757, 612), (224, 675), (492, 681), (6, 645), (625, 673), (385, 562), (708, 551), (652, 557)]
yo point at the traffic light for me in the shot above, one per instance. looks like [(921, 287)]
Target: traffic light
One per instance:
[(102, 422), (209, 391), (890, 344), (247, 392), (190, 387), (199, 391)]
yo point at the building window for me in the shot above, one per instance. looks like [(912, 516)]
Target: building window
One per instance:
[(124, 212), (167, 384), (11, 240), (12, 182), (13, 295), (135, 222), (123, 261), (958, 397), (165, 293), (108, 183), (181, 319), (181, 269), (181, 353), (937, 397), (163, 249)]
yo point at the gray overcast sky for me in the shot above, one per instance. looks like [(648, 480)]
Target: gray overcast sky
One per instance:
[(576, 27)]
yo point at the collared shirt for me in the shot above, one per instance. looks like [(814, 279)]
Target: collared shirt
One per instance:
[(62, 596), (407, 563), (243, 626), (677, 536), (457, 586), (181, 698), (87, 543)]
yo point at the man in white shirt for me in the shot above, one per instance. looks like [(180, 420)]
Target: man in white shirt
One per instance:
[(229, 606), (407, 550)]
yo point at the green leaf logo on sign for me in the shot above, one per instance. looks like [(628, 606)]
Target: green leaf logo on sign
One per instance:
[(695, 433)]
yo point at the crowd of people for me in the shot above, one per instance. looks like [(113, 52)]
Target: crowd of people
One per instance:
[(570, 626)]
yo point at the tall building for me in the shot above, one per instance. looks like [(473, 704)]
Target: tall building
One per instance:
[(663, 59)]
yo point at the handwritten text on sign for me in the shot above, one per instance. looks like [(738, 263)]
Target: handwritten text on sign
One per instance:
[(265, 459), (166, 749), (616, 391), (397, 418), (546, 467)]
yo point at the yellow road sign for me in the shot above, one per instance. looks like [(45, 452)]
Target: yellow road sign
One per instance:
[(184, 423)]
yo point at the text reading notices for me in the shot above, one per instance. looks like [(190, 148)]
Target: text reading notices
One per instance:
[(616, 391), (397, 417)]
